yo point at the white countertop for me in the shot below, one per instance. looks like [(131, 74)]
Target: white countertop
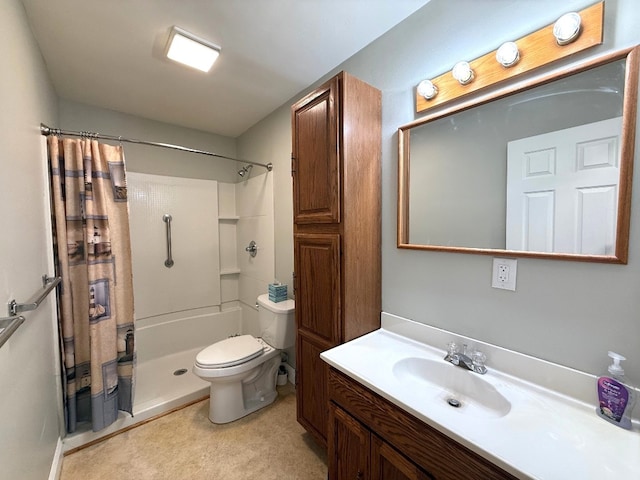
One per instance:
[(551, 430)]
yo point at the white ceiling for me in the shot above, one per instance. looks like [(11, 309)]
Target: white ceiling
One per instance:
[(109, 53)]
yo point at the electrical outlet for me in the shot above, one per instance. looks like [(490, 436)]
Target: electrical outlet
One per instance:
[(504, 273)]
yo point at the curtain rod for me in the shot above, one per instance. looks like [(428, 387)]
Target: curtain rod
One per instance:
[(46, 131)]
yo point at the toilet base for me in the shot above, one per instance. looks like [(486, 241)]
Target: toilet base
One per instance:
[(231, 400)]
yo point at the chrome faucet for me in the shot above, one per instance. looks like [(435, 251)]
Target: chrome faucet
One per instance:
[(475, 362)]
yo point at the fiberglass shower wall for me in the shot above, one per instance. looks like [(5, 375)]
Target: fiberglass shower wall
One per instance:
[(254, 208), (194, 279), (212, 223)]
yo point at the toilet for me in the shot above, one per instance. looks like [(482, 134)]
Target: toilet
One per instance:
[(243, 369)]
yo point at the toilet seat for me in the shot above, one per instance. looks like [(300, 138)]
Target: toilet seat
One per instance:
[(229, 352)]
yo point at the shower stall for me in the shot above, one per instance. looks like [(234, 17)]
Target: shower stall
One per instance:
[(207, 291)]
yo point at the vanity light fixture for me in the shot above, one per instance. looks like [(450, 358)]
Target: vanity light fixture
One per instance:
[(427, 89), (462, 73), (190, 50), (567, 28), (508, 54), (575, 32)]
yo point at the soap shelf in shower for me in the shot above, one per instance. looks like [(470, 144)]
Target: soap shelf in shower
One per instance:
[(229, 271)]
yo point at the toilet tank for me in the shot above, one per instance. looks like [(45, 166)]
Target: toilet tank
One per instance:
[(277, 326)]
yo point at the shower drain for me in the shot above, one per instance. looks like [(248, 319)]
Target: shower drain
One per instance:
[(180, 371)]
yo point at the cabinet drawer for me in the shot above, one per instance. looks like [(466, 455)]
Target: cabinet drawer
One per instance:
[(434, 452)]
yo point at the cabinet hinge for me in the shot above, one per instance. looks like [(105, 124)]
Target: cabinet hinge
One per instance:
[(293, 164)]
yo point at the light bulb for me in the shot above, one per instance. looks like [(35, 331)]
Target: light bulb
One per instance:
[(427, 89), (508, 54), (462, 72), (567, 28)]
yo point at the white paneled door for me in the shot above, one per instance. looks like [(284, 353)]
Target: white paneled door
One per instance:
[(562, 190)]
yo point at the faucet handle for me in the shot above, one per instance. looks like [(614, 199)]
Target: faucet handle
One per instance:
[(452, 348), (478, 358)]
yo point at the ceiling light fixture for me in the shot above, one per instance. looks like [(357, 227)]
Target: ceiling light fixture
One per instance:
[(190, 50), (567, 28), (462, 73), (508, 54), (427, 89)]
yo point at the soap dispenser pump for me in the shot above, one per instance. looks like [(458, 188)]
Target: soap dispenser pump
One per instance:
[(615, 396)]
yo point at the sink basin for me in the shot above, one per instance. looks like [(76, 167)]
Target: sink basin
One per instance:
[(452, 387)]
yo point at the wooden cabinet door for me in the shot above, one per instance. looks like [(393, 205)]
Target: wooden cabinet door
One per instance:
[(317, 267), (315, 159), (349, 446), (312, 399), (389, 464)]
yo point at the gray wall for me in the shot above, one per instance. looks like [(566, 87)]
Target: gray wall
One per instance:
[(565, 312), (30, 398)]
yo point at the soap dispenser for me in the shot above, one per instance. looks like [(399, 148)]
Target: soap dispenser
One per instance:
[(615, 396)]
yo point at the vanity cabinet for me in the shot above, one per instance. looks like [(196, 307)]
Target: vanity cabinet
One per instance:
[(335, 165), (372, 439), (364, 455)]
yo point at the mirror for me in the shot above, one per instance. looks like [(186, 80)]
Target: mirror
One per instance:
[(537, 169)]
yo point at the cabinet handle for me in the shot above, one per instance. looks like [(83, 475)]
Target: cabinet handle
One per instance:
[(359, 475)]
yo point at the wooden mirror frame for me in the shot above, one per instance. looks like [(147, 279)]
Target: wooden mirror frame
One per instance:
[(627, 144)]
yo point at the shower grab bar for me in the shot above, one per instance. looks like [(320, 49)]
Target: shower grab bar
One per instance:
[(48, 284), (166, 218), (8, 325)]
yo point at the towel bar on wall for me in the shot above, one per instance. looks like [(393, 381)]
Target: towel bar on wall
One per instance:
[(10, 324), (48, 284)]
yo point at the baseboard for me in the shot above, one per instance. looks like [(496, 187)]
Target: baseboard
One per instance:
[(56, 464)]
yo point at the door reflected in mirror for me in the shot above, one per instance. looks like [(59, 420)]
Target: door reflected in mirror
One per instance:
[(539, 170)]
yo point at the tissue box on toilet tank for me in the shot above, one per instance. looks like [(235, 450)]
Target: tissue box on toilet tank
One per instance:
[(277, 293)]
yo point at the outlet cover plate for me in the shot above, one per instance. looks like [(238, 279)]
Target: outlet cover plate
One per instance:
[(504, 273)]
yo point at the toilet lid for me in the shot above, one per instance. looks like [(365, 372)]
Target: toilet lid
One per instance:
[(229, 352)]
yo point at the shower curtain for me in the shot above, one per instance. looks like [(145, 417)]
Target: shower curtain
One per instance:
[(93, 256)]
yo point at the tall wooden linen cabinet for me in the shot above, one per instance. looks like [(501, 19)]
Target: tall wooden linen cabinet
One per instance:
[(335, 166)]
